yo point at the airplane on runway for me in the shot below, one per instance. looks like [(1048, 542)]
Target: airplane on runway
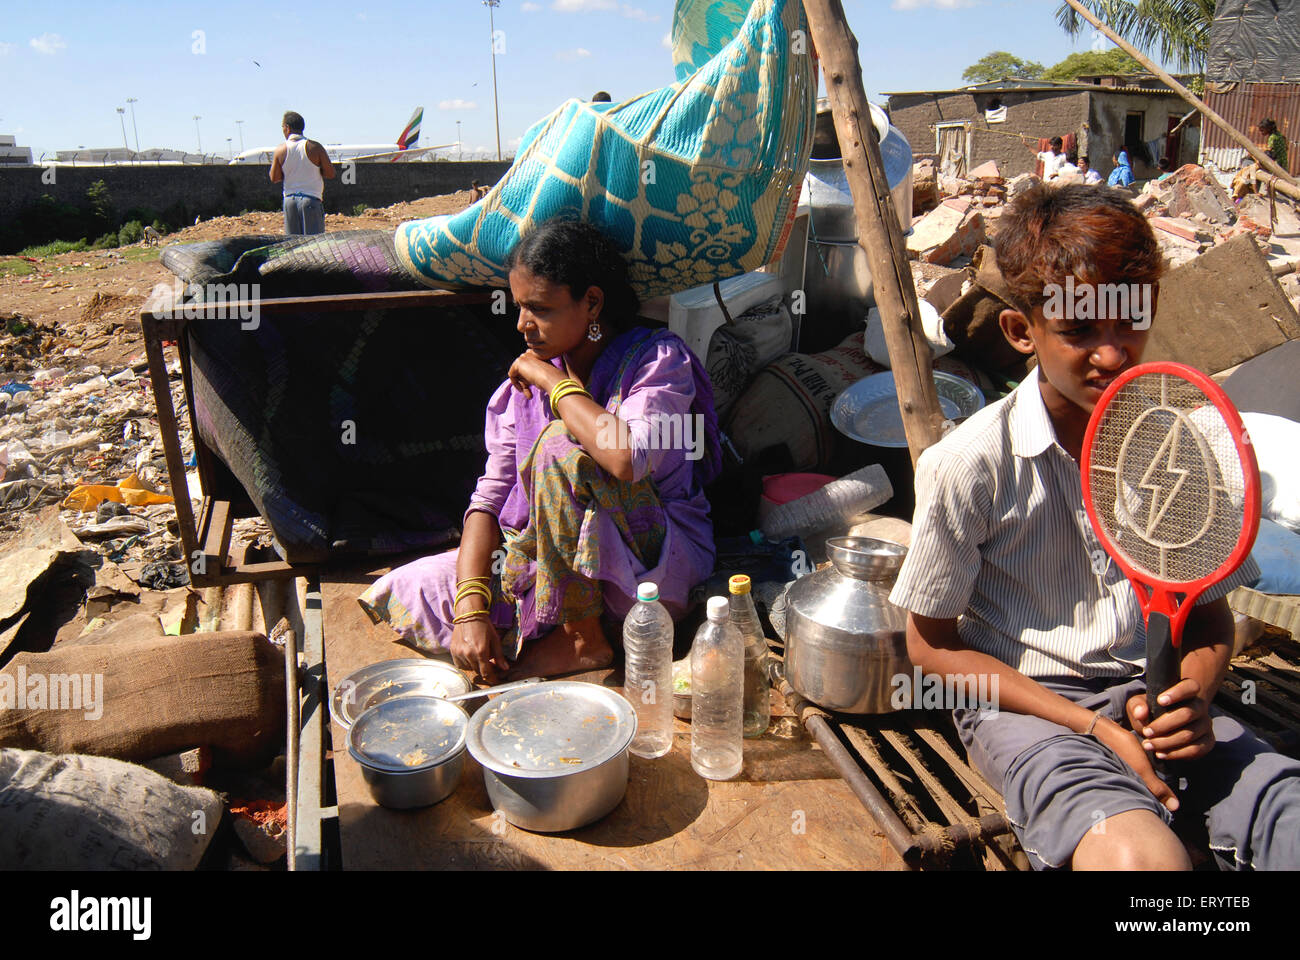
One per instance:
[(404, 149)]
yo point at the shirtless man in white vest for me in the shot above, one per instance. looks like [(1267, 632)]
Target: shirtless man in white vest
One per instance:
[(303, 166)]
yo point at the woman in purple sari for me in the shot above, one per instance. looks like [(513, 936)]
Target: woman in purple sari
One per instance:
[(599, 444)]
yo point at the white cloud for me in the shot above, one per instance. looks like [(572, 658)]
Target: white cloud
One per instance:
[(940, 4), (458, 104), (636, 13), (573, 54), (48, 43), (583, 6), (531, 7), (668, 40)]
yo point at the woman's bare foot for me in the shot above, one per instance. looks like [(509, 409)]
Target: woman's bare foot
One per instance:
[(580, 645)]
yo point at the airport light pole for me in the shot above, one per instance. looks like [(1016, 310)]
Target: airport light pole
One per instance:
[(230, 149), (240, 125), (197, 134), (121, 115), (496, 111), (460, 147), (131, 102)]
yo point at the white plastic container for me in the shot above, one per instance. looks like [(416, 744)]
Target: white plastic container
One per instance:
[(837, 504), (648, 680), (717, 695), (694, 314)]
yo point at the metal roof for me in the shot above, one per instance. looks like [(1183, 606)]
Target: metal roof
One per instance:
[(1035, 86)]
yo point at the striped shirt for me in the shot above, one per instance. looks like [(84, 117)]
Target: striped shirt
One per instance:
[(1001, 539)]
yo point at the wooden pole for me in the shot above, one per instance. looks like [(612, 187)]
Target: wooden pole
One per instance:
[(1260, 156), (879, 232)]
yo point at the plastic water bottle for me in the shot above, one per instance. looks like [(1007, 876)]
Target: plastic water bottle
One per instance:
[(648, 681), (744, 617), (717, 695)]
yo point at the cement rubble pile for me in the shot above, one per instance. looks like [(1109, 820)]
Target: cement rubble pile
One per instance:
[(1190, 212)]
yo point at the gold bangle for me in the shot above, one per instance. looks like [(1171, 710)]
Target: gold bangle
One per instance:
[(561, 390), (474, 591), (472, 615), (461, 583)]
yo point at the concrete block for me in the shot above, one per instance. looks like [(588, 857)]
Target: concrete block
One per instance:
[(1221, 309), (945, 234)]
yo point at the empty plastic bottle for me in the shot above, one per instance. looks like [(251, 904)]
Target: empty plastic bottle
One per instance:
[(648, 683), (744, 617), (717, 695)]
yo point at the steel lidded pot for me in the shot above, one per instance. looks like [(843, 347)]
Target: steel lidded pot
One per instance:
[(844, 640)]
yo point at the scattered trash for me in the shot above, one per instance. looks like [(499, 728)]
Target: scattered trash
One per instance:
[(163, 576)]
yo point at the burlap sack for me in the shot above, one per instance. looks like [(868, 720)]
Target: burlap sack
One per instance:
[(90, 813), (789, 403), (141, 699), (972, 322)]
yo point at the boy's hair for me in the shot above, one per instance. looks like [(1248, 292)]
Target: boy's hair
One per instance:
[(294, 121), (1267, 126), (1056, 143), (1093, 234)]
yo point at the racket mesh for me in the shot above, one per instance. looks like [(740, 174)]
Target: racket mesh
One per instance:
[(1166, 479)]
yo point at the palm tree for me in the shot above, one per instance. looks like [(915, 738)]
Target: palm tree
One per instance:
[(1176, 31)]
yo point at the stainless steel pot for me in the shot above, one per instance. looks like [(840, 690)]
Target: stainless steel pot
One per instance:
[(411, 750), (554, 755), (844, 640)]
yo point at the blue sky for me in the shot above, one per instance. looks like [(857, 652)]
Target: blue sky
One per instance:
[(356, 70)]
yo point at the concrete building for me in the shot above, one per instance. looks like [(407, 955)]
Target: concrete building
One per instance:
[(1004, 120), (10, 152)]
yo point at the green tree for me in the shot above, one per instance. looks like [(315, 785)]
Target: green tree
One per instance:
[(1173, 31), (1000, 65), (1090, 63)]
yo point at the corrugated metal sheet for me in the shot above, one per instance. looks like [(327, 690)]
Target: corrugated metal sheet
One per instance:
[(1243, 105)]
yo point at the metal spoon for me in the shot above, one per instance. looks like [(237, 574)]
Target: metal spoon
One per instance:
[(501, 688)]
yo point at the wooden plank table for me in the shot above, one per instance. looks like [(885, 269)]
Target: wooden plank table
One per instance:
[(788, 810)]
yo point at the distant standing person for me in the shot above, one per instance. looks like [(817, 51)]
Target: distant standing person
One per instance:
[(1276, 147), (1052, 159), (601, 97), (303, 166)]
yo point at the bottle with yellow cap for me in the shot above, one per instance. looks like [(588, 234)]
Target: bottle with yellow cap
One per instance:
[(758, 701)]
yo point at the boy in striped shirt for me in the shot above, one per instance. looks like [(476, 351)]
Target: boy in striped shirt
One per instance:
[(1005, 577)]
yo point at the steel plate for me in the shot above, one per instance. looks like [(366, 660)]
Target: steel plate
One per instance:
[(868, 410), (393, 678), (407, 734), (551, 729)]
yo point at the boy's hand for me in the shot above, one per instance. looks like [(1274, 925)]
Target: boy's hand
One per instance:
[(1182, 733), (1130, 751)]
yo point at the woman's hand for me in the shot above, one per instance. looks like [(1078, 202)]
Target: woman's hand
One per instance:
[(1130, 751), (476, 646), (531, 371)]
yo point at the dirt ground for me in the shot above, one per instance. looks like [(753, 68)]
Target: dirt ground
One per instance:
[(94, 297)]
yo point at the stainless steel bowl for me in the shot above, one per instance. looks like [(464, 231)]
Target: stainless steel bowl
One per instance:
[(365, 688), (555, 754), (682, 701), (411, 750)]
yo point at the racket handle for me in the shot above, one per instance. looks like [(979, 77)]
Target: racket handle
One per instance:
[(1164, 662)]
